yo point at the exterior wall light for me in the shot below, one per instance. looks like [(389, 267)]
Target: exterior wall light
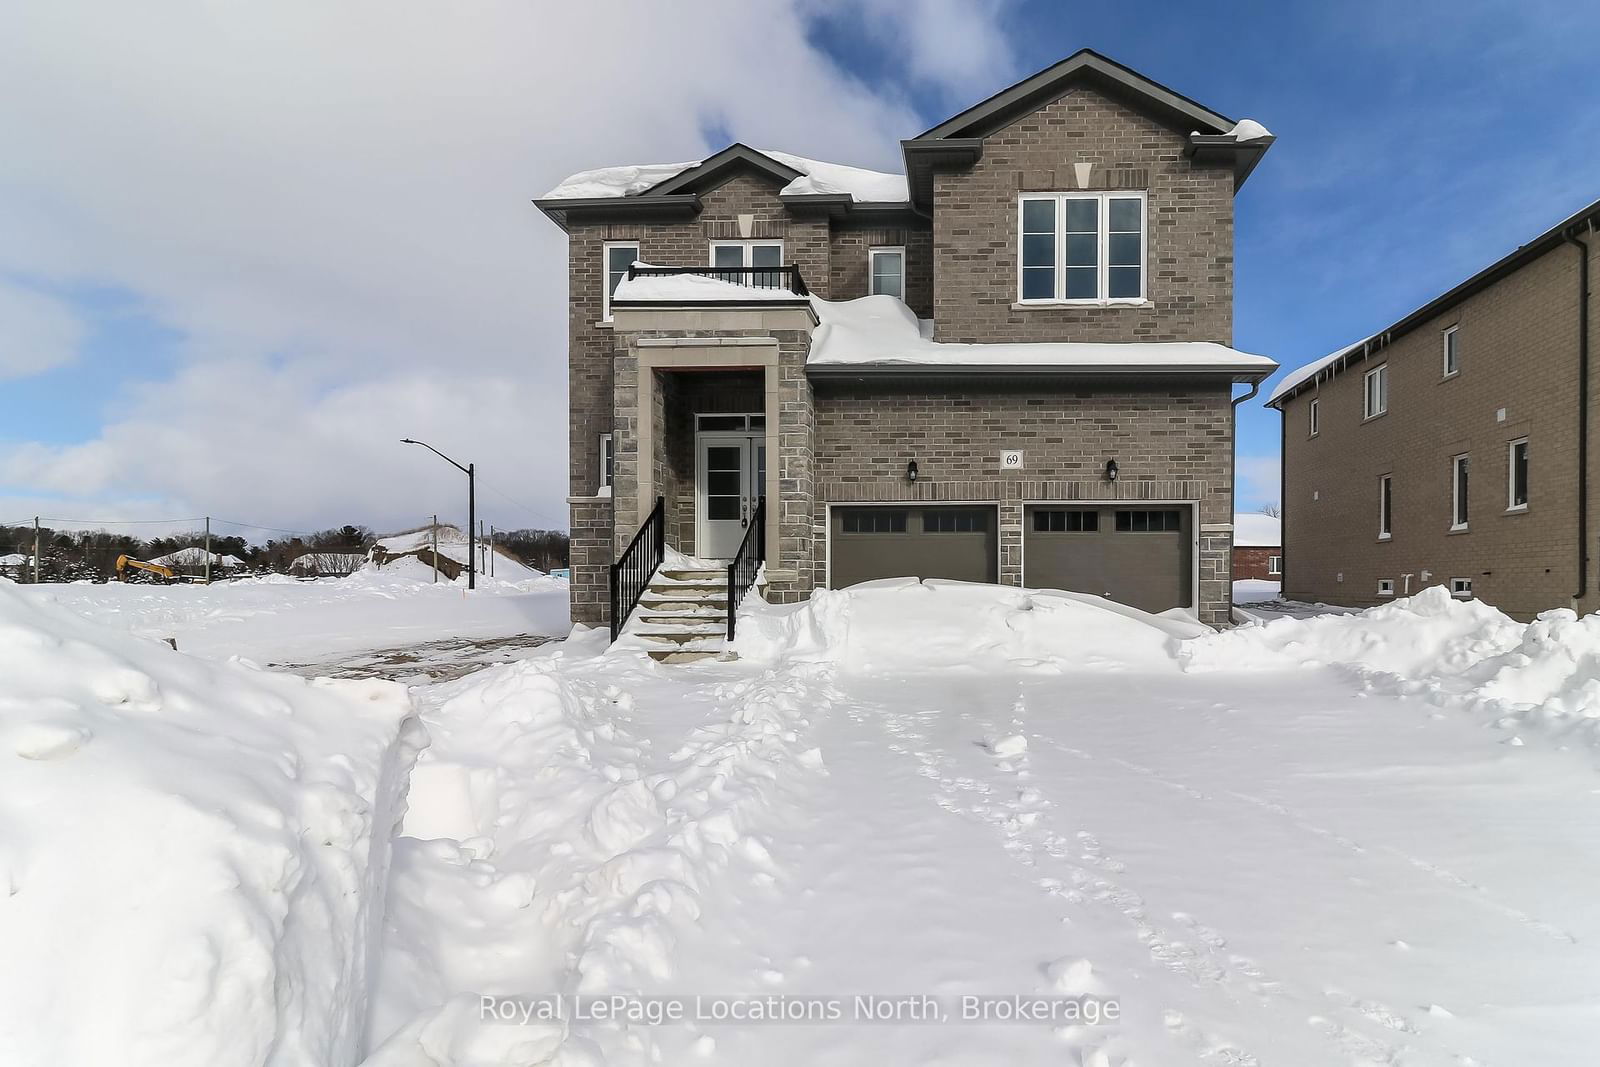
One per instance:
[(911, 471), (1111, 470)]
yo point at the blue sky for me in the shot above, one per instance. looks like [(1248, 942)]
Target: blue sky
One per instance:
[(230, 286)]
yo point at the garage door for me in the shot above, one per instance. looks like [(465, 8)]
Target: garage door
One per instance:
[(898, 542), (1136, 556)]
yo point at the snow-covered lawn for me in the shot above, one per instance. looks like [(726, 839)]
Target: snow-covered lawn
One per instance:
[(1349, 839), (1255, 590)]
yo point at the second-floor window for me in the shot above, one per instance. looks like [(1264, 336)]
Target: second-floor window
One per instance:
[(1316, 416), (619, 257), (1385, 507), (1517, 475), (1376, 395), (888, 269), (750, 254), (1080, 248), (1459, 466), (1452, 353)]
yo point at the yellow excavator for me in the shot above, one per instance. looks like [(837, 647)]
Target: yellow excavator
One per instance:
[(127, 563)]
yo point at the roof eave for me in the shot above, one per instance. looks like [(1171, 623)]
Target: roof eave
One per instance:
[(561, 210), (923, 156), (1238, 374)]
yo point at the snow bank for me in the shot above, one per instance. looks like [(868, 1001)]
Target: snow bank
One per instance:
[(880, 330), (900, 623), (193, 855), (1430, 633), (562, 855), (692, 288)]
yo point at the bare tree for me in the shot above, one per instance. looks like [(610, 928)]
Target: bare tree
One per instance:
[(1272, 509)]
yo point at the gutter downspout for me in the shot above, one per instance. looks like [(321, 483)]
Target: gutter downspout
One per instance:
[(1583, 411), (1233, 479)]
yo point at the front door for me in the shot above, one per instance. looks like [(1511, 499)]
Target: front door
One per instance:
[(729, 481)]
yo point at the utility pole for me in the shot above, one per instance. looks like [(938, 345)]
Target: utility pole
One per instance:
[(208, 549), (435, 531), (36, 550), (491, 551)]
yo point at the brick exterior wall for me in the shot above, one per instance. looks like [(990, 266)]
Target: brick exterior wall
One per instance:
[(1255, 563), (851, 245), (1518, 344), (1190, 241), (590, 558), (1170, 443)]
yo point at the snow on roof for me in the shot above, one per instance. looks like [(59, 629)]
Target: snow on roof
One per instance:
[(14, 559), (195, 556), (1248, 130), (1295, 378), (694, 288), (816, 178), (880, 331), (1256, 530)]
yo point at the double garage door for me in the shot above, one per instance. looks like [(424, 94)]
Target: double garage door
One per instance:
[(1137, 556)]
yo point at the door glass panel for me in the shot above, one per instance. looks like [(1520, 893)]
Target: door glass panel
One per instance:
[(724, 468), (759, 489), (722, 483)]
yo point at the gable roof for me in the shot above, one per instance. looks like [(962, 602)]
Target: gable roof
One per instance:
[(715, 169), (957, 142), (1089, 67)]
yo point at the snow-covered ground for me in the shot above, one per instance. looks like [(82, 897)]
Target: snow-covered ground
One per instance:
[(1350, 839), (1255, 591), (277, 619)]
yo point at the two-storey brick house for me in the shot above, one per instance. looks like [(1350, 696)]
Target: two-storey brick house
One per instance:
[(1010, 364)]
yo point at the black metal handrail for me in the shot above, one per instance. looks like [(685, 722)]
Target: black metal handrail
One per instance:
[(758, 277), (747, 562), (631, 573)]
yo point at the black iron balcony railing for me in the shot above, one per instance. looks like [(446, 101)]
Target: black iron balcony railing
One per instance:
[(747, 562), (758, 277)]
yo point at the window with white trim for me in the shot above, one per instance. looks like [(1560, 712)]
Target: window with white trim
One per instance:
[(747, 253), (1385, 507), (1517, 475), (607, 459), (1452, 353), (1274, 564), (619, 256), (1316, 416), (1386, 587), (1461, 587), (886, 268), (1375, 392), (1459, 468), (1081, 248)]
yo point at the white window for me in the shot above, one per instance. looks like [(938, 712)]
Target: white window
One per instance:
[(607, 461), (1386, 587), (1452, 354), (1274, 564), (748, 254), (1376, 395), (1385, 507), (1461, 587), (1517, 475), (1316, 416), (1081, 248), (887, 267), (618, 258), (1459, 467)]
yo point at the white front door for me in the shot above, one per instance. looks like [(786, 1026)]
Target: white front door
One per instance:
[(729, 478)]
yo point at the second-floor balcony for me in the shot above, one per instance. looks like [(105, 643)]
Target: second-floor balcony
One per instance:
[(654, 284)]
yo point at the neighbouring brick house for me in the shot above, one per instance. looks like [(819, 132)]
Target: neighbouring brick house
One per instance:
[(1010, 364), (1257, 547), (1455, 446)]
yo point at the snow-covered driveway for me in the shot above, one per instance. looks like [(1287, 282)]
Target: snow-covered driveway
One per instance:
[(1264, 863)]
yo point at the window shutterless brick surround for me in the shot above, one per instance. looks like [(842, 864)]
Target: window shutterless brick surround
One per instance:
[(842, 442), (1517, 346)]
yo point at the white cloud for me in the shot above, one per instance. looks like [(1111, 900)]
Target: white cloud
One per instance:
[(957, 47), (37, 332), (1256, 481), (329, 204)]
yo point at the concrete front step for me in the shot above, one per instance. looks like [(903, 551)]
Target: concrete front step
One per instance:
[(669, 655), (683, 618), (684, 635), (677, 574), (684, 589)]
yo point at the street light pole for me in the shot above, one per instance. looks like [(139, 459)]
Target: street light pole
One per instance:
[(470, 470)]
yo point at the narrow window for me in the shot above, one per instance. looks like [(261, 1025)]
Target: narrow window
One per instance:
[(1517, 475), (1461, 587), (607, 461), (888, 269), (618, 258), (1385, 507), (1458, 492), (1377, 392), (1084, 248), (1386, 587), (1038, 219), (1274, 564), (1452, 355), (1316, 416)]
